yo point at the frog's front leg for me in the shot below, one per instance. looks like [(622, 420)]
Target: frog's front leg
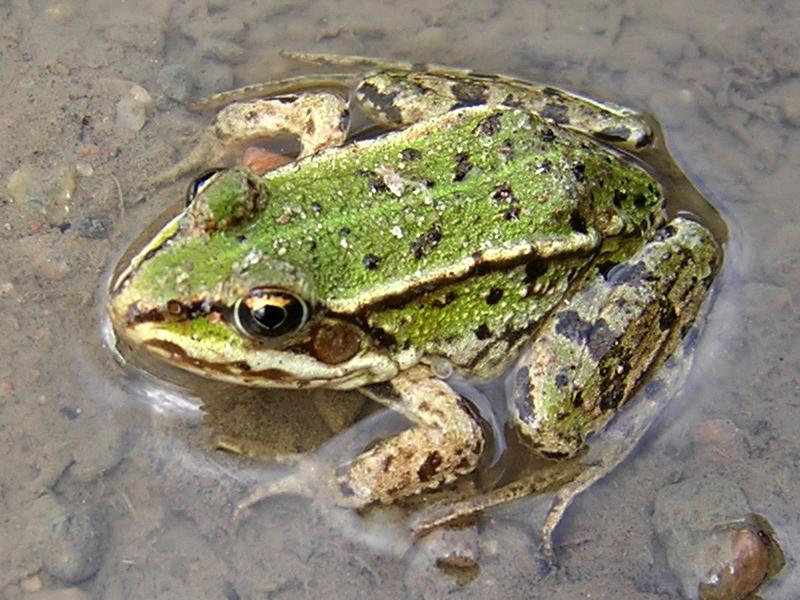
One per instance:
[(318, 120), (445, 441)]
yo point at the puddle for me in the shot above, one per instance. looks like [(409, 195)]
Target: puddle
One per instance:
[(79, 431)]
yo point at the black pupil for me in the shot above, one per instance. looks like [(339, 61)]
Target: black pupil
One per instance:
[(270, 317), (271, 313)]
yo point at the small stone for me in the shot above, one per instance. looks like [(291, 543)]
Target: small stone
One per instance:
[(94, 227), (224, 51), (24, 186), (741, 565), (61, 12), (76, 545), (132, 108), (715, 546), (84, 169), (31, 584), (176, 82)]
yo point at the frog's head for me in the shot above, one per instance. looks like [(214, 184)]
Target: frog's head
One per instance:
[(202, 297)]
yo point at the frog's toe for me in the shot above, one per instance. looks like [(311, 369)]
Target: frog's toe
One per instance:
[(302, 482)]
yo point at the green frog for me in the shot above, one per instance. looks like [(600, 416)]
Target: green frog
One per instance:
[(492, 228)]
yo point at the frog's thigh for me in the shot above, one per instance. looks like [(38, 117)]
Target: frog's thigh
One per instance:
[(318, 120), (444, 442)]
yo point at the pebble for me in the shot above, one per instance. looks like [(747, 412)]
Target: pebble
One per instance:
[(76, 545), (717, 549), (61, 12), (94, 227), (31, 584), (740, 564), (132, 108), (176, 82), (223, 51), (60, 594), (45, 192)]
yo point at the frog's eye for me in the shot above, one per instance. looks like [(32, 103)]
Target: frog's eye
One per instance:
[(270, 313), (199, 184)]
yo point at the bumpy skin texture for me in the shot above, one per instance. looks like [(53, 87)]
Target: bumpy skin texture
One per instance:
[(485, 223)]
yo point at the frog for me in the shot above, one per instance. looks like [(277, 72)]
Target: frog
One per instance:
[(491, 228)]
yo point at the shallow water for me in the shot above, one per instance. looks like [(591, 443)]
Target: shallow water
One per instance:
[(79, 431)]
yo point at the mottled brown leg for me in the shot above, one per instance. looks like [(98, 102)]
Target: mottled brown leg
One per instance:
[(445, 441), (318, 120)]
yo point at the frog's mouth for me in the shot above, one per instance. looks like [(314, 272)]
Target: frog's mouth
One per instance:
[(215, 351)]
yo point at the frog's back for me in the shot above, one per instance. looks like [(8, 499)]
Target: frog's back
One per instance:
[(474, 189)]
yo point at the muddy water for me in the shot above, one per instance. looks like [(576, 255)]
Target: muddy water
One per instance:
[(130, 454)]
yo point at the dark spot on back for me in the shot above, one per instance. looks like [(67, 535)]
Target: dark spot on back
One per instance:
[(483, 332), (494, 296), (535, 269), (668, 319), (383, 337), (557, 113), (619, 198), (384, 102), (579, 171), (449, 298), (371, 261), (640, 201), (490, 125), (629, 273), (463, 166), (427, 241), (429, 467), (503, 194), (601, 340), (547, 135), (507, 150), (511, 101), (577, 222), (572, 327), (562, 380), (410, 154), (469, 93)]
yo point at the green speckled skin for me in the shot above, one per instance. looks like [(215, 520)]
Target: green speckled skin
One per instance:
[(472, 190), (488, 222)]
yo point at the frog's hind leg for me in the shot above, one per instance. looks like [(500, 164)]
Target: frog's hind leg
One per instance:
[(565, 484), (591, 356), (347, 60), (290, 85), (318, 120)]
